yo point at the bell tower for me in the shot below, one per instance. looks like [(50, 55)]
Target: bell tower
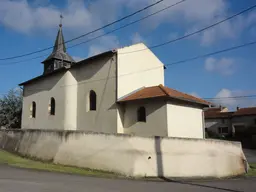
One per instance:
[(59, 57)]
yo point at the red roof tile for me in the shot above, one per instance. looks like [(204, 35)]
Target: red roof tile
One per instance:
[(217, 114), (214, 109), (245, 111), (162, 91)]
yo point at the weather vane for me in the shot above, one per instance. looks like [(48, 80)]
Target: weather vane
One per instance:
[(61, 17)]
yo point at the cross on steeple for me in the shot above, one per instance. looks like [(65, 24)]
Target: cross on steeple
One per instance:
[(59, 57), (61, 17)]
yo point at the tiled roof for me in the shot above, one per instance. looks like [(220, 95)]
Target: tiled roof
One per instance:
[(245, 111), (214, 109), (162, 91), (217, 114), (214, 114)]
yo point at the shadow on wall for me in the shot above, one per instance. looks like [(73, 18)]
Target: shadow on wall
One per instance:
[(101, 85), (87, 69), (150, 106), (160, 171), (43, 85)]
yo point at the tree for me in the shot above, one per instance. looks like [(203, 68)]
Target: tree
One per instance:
[(11, 109)]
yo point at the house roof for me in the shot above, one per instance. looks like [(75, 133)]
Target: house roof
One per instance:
[(161, 91), (59, 50), (245, 111), (82, 62), (217, 114)]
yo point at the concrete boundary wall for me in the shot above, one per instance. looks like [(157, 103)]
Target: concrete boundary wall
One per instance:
[(129, 155)]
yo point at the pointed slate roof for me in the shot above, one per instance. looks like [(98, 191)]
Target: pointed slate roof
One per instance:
[(59, 50)]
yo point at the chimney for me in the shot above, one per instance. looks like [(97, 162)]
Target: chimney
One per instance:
[(237, 108)]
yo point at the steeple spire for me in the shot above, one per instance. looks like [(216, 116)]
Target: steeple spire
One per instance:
[(59, 57)]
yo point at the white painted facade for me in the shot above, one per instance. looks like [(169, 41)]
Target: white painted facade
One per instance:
[(112, 76), (185, 121)]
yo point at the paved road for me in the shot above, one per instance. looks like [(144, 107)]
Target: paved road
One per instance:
[(250, 155), (21, 180)]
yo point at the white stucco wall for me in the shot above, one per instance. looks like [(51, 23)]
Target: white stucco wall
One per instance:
[(130, 155), (156, 119), (41, 92), (98, 75), (137, 69), (184, 121)]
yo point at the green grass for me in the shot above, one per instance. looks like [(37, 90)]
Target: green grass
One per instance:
[(252, 171), (17, 161)]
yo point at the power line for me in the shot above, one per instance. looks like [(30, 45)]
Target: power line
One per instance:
[(207, 98), (165, 43), (109, 32), (196, 32), (233, 97), (98, 29), (213, 53), (177, 62)]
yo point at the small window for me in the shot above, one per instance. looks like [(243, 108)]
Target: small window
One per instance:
[(219, 130), (141, 114), (223, 121), (93, 101), (52, 106), (33, 110), (223, 130)]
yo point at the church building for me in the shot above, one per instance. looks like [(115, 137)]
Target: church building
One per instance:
[(119, 91)]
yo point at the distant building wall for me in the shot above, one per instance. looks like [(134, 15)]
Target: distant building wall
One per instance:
[(246, 120), (214, 125), (130, 155), (184, 121)]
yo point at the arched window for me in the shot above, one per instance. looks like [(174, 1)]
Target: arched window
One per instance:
[(33, 110), (141, 114), (52, 105), (93, 101)]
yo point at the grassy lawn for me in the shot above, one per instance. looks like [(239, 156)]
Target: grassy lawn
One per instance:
[(17, 161), (252, 171)]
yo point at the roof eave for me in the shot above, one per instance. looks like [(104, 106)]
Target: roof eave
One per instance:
[(166, 97), (44, 75)]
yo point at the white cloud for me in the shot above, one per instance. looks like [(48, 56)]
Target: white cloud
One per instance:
[(81, 16), (224, 66), (77, 59), (21, 16), (105, 44), (194, 94), (137, 38), (224, 97)]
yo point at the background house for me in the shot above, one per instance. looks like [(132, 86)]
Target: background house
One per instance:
[(239, 125), (218, 121), (243, 120)]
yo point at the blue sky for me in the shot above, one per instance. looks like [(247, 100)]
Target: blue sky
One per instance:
[(30, 25)]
